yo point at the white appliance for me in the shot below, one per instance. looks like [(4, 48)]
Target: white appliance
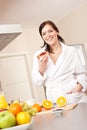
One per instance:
[(8, 32)]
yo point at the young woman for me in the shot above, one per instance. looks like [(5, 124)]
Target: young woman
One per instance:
[(57, 67)]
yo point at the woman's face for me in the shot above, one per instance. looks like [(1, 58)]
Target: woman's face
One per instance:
[(49, 35)]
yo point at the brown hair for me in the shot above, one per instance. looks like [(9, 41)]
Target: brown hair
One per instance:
[(48, 48)]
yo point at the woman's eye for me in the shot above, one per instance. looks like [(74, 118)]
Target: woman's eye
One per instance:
[(50, 30), (43, 34)]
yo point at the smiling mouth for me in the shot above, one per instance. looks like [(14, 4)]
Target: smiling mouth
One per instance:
[(49, 39)]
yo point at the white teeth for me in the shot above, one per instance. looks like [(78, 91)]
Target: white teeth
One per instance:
[(49, 39)]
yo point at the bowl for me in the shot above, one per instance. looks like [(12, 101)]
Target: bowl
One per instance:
[(19, 127)]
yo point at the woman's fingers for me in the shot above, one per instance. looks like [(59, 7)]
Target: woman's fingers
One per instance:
[(43, 64), (69, 92), (75, 89), (43, 59)]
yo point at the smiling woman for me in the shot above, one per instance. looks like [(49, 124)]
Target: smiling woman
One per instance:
[(61, 70)]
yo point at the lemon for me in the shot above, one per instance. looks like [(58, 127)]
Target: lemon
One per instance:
[(61, 101), (3, 105), (23, 118), (2, 98)]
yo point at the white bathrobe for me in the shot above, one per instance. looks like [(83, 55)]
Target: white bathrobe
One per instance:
[(63, 76)]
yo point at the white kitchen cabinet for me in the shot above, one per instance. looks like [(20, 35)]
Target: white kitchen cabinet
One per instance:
[(15, 76)]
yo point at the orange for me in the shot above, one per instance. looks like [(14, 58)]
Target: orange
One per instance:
[(23, 118), (47, 104), (38, 107), (15, 108), (61, 101)]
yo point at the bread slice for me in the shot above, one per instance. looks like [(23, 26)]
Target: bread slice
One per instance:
[(41, 54)]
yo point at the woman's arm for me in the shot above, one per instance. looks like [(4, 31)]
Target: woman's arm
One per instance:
[(42, 62), (38, 69), (80, 73), (77, 88)]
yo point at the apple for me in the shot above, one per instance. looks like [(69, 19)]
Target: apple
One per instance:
[(7, 119)]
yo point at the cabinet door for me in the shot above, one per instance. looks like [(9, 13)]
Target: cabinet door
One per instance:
[(15, 77)]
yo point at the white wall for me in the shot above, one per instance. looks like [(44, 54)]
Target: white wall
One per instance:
[(73, 27)]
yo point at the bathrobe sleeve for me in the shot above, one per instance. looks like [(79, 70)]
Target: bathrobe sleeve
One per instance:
[(80, 71), (37, 78)]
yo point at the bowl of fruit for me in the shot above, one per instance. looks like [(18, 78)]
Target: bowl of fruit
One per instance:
[(19, 127), (17, 116)]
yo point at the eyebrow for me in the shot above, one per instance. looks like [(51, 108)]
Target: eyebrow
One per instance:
[(48, 30)]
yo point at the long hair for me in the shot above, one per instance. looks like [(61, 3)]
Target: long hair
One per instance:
[(48, 48)]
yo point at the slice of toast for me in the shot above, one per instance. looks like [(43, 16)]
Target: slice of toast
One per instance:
[(41, 54)]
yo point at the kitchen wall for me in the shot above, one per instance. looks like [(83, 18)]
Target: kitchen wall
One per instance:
[(73, 28)]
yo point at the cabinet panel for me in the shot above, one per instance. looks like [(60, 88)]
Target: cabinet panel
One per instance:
[(15, 77)]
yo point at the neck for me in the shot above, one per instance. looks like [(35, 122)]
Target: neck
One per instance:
[(56, 47)]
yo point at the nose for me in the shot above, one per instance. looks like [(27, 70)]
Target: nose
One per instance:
[(48, 34)]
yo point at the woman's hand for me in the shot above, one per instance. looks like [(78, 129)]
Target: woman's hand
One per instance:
[(42, 61), (78, 88)]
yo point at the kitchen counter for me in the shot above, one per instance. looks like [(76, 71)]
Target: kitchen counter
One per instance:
[(75, 119)]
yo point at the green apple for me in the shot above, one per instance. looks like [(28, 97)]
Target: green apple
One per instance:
[(7, 119)]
